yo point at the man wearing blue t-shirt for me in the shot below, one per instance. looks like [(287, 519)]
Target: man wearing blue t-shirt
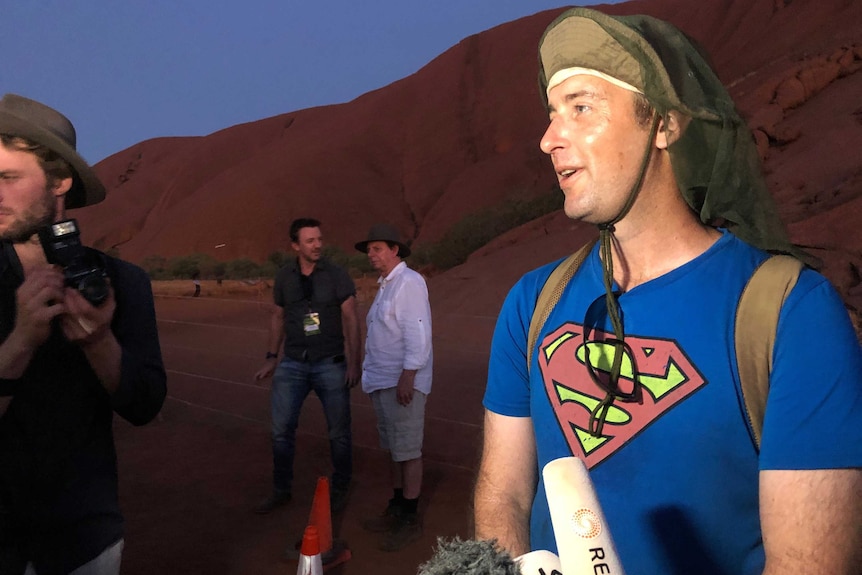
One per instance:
[(635, 370)]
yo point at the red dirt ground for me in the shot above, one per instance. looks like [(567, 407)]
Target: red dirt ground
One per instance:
[(189, 480)]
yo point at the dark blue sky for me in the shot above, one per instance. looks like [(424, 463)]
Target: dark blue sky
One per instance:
[(129, 70)]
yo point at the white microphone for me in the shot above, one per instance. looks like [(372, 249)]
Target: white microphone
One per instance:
[(540, 562), (584, 542)]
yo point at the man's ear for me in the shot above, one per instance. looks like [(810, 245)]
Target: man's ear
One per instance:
[(670, 128), (61, 186), (60, 189)]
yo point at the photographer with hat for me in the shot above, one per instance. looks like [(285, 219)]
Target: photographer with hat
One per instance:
[(634, 370), (396, 373), (67, 363)]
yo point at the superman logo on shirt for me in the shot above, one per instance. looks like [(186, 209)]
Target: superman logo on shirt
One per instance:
[(665, 373)]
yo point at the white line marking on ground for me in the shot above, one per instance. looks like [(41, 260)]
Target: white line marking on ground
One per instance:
[(208, 378), (262, 388), (301, 432), (213, 325)]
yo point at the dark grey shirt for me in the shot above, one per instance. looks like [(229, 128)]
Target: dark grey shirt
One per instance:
[(317, 298)]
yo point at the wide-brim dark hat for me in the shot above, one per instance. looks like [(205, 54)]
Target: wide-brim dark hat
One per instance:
[(384, 233), (36, 122)]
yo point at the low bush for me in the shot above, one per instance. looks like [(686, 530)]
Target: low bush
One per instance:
[(477, 229), (465, 237)]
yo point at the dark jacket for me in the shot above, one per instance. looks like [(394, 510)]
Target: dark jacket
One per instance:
[(58, 468)]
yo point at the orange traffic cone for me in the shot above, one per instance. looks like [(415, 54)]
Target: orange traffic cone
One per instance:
[(310, 562), (321, 516), (332, 552)]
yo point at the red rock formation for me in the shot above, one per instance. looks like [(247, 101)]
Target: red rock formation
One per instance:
[(461, 134)]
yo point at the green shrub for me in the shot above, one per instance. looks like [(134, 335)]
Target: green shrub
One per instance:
[(219, 270), (277, 259), (469, 234), (243, 268), (477, 229), (356, 263), (156, 267), (183, 267)]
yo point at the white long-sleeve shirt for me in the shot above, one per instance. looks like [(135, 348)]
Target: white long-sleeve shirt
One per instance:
[(398, 332)]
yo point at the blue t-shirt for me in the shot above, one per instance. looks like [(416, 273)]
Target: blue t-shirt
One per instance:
[(677, 473)]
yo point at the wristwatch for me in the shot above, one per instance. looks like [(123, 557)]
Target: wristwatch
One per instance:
[(270, 355)]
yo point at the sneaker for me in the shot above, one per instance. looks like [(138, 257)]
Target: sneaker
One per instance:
[(338, 499), (276, 499), (385, 521), (406, 530)]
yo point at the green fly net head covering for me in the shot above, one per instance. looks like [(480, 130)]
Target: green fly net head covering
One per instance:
[(715, 161)]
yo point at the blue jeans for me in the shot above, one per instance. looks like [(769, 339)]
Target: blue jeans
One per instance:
[(291, 383)]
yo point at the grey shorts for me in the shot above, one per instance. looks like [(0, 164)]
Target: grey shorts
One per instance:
[(401, 427)]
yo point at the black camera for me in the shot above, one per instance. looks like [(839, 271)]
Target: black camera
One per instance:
[(82, 268)]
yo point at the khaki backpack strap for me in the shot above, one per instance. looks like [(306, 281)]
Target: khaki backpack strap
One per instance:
[(756, 325), (551, 293)]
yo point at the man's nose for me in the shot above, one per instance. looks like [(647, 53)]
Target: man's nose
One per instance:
[(552, 139)]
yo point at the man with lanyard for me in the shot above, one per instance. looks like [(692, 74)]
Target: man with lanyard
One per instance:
[(315, 317), (67, 362), (635, 371)]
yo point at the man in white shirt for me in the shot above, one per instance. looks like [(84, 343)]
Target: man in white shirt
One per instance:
[(396, 373)]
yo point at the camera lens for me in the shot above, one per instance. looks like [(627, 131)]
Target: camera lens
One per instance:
[(94, 288)]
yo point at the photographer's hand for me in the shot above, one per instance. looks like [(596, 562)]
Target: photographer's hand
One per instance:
[(84, 323), (90, 328), (39, 300)]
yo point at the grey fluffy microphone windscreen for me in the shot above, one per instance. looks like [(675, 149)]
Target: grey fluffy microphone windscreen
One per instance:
[(584, 541), (457, 557)]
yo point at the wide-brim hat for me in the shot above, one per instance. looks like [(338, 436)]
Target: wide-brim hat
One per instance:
[(384, 233), (40, 124)]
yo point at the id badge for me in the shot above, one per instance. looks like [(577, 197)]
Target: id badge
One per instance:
[(311, 323)]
